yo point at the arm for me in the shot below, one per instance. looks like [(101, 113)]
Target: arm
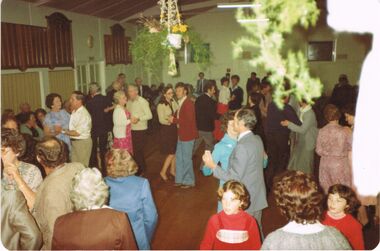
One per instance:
[(356, 238), (81, 125), (216, 154), (319, 147), (291, 115), (147, 112), (254, 235), (236, 168), (307, 123), (209, 236), (149, 210), (119, 118), (24, 224)]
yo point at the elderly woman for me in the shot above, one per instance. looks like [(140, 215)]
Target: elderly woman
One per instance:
[(29, 125), (121, 123), (168, 131), (334, 143), (302, 156), (131, 194), (92, 225), (19, 231), (57, 119), (12, 147), (224, 148), (300, 200)]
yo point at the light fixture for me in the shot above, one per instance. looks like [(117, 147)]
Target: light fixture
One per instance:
[(238, 5), (256, 20)]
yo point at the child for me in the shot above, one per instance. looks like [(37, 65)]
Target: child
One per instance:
[(232, 228), (341, 202)]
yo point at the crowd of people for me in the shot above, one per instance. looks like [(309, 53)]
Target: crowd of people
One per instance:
[(83, 163)]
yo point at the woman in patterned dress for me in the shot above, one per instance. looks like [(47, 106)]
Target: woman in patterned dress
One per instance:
[(121, 123), (334, 144)]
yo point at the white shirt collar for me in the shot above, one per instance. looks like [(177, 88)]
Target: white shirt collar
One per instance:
[(298, 228), (241, 135), (80, 108)]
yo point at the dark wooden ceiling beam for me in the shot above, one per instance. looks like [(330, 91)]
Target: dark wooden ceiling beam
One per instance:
[(142, 5)]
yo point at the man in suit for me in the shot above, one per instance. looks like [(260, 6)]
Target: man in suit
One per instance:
[(200, 84), (143, 90), (99, 109), (205, 113), (187, 133), (236, 94), (252, 83), (245, 163)]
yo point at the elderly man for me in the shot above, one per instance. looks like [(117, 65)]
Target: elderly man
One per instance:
[(140, 114), (24, 108), (245, 163), (80, 130), (99, 111)]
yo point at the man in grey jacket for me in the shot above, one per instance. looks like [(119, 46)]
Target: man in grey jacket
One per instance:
[(245, 163)]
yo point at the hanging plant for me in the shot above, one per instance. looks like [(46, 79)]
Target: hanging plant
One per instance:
[(266, 27), (158, 41)]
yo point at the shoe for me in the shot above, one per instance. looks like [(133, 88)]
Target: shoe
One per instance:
[(177, 184), (171, 175), (163, 177), (187, 186)]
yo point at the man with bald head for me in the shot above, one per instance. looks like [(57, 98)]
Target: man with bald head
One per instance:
[(140, 114)]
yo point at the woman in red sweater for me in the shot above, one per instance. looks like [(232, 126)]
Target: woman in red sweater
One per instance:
[(232, 228), (341, 202)]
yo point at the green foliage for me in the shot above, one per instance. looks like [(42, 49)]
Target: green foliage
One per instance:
[(151, 50), (268, 38)]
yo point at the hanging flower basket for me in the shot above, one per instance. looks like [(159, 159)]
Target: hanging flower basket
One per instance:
[(175, 40)]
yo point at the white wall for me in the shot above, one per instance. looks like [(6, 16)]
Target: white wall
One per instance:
[(219, 28)]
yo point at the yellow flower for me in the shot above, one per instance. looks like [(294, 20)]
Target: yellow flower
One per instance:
[(175, 29), (183, 28)]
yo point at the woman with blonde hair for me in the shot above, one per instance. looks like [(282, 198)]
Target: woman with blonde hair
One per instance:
[(89, 196), (121, 123), (131, 194)]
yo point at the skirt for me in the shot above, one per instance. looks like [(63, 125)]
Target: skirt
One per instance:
[(168, 139)]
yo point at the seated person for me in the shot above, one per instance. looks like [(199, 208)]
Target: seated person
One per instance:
[(300, 200), (341, 202), (92, 225), (132, 195), (232, 228)]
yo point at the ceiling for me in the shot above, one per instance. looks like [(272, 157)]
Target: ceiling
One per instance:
[(122, 10), (129, 10)]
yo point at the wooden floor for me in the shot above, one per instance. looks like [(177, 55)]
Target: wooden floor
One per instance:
[(183, 213)]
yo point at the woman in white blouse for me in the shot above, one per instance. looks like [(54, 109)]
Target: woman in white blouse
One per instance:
[(223, 99), (168, 131), (121, 123)]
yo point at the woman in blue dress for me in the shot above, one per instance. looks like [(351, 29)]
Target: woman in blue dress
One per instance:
[(224, 148), (132, 195), (57, 119)]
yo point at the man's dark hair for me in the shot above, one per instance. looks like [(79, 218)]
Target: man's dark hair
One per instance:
[(80, 96), (201, 73), (25, 117), (235, 77), (208, 85), (248, 117), (253, 73), (182, 85)]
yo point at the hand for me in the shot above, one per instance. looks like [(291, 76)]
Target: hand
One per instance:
[(134, 120), (285, 123), (57, 129), (233, 97), (207, 159), (170, 119), (11, 170)]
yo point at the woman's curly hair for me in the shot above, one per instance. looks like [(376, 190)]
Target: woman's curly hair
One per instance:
[(299, 197), (238, 189), (14, 140), (120, 163)]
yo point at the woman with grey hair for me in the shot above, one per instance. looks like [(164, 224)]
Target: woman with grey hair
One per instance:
[(121, 123), (92, 225)]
